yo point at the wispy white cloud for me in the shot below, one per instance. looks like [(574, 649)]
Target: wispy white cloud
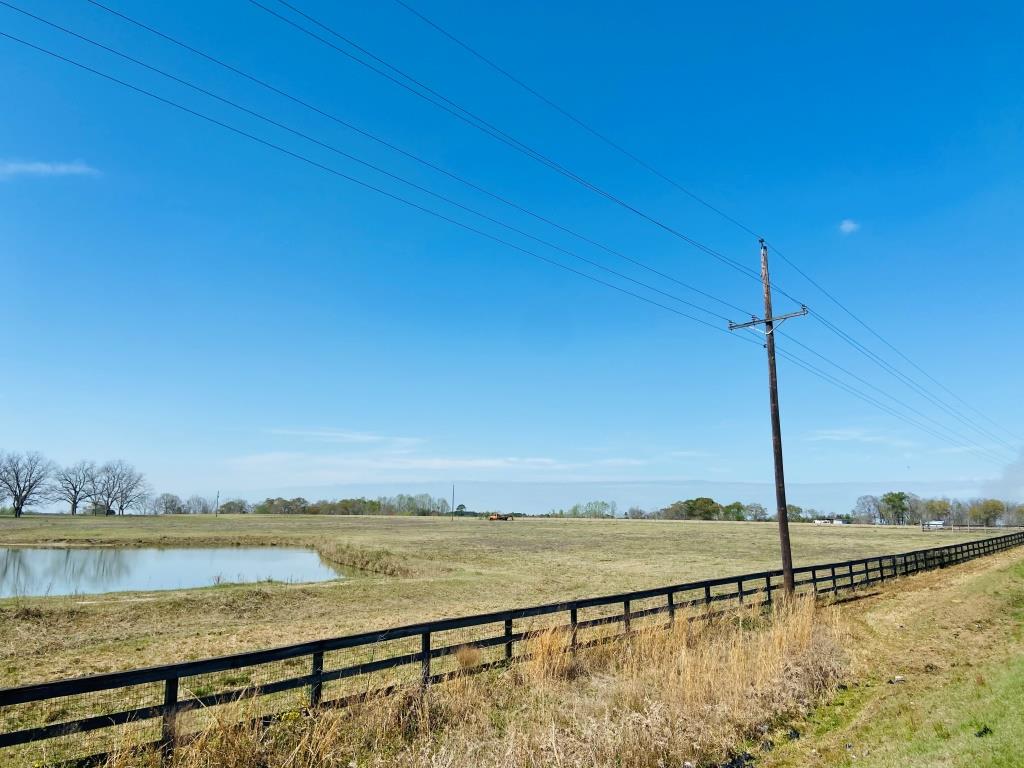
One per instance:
[(345, 437), (620, 462), (848, 226), (11, 168), (308, 468), (856, 435)]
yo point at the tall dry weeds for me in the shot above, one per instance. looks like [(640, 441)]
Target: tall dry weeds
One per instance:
[(697, 692)]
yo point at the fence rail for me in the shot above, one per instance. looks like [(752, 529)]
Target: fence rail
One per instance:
[(69, 719)]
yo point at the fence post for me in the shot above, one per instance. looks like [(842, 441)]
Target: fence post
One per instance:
[(425, 659), (625, 615), (508, 639), (573, 621), (168, 730), (768, 586), (707, 594), (316, 689), (671, 609), (835, 585)]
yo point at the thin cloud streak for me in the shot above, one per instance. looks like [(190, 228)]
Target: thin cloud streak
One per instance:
[(855, 435), (343, 436), (13, 168)]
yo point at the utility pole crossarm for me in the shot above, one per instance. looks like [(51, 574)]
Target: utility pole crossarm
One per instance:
[(775, 321)]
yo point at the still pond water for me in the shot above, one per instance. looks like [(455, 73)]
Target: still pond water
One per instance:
[(37, 572)]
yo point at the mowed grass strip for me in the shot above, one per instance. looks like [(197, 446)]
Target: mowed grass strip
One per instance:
[(445, 568), (937, 678)]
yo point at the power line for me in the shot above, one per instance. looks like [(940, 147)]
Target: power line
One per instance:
[(885, 341), (640, 161), (365, 163), (426, 210), (913, 385), (566, 113), (389, 145), (354, 180), (965, 440), (875, 358), (483, 125), (441, 197)]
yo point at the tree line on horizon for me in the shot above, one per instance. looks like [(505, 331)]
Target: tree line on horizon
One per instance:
[(116, 487), (892, 508)]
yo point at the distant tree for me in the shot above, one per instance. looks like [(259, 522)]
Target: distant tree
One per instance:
[(677, 510), (917, 510), (704, 508), (700, 508), (894, 507), (23, 477), (755, 511), (198, 505), (1014, 514), (958, 512), (733, 511), (103, 491), (598, 509), (128, 486), (795, 514), (279, 506), (167, 504), (635, 513), (72, 484), (866, 510), (986, 511), (937, 509), (235, 507)]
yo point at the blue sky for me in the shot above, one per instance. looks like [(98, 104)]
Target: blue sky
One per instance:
[(229, 318)]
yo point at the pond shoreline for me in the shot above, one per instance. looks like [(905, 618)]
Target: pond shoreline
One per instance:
[(70, 570)]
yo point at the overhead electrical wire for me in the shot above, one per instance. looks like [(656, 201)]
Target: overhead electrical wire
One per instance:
[(364, 163), (481, 124), (968, 441), (357, 181), (739, 224), (389, 145), (478, 122), (333, 171)]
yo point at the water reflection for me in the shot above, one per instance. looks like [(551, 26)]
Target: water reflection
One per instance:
[(29, 571)]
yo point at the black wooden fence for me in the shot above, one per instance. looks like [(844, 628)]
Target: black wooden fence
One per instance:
[(69, 719)]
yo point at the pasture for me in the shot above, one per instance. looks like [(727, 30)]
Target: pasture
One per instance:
[(414, 569)]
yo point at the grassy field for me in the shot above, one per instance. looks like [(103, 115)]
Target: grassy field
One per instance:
[(936, 678), (924, 672), (425, 568)]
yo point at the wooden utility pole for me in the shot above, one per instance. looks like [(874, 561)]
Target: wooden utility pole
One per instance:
[(769, 322)]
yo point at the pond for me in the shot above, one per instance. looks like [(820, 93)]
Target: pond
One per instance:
[(39, 572)]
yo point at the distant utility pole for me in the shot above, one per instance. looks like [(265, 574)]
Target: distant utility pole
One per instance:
[(769, 322), (453, 501)]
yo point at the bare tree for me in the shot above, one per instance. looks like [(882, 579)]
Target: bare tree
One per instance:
[(103, 489), (131, 490), (198, 505), (73, 484), (23, 478), (117, 486), (167, 504)]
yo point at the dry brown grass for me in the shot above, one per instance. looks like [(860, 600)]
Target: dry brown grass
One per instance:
[(696, 692), (447, 568)]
